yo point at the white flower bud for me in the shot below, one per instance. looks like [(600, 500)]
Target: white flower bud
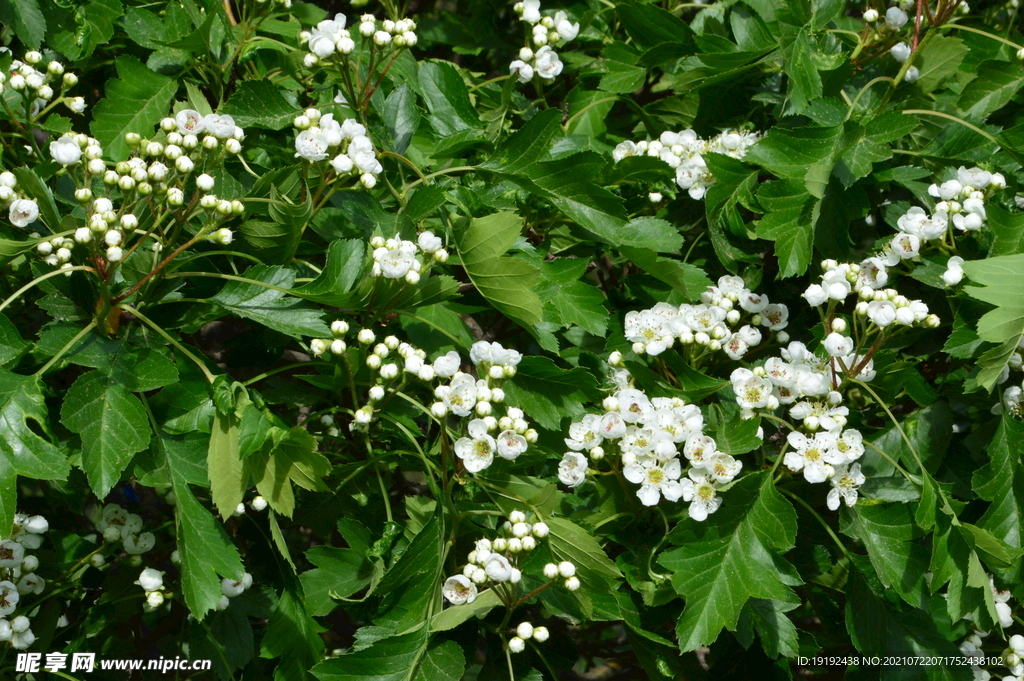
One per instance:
[(516, 644), (524, 630), (551, 571), (365, 336), (572, 584), (541, 634)]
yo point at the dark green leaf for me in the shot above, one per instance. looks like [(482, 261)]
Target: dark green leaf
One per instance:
[(259, 104), (270, 307), (135, 102)]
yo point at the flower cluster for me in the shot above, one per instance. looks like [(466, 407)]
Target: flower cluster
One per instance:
[(17, 570), (331, 38), (541, 59), (231, 588), (524, 632), (716, 324), (684, 152), (321, 136), (396, 258), (894, 20), (36, 84), (117, 524), (495, 563)]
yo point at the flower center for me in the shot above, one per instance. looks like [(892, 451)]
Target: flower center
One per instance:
[(705, 492), (655, 476)]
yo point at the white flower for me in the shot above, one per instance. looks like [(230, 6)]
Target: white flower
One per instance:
[(23, 212), (813, 455), (655, 480), (546, 63), (900, 52), (231, 587), (572, 469), (150, 579), (459, 590), (9, 598), (522, 70), (342, 164), (11, 553), (461, 395), (137, 545), (585, 434), (975, 177), (838, 345), (190, 122), (815, 295), (220, 126), (723, 468), (311, 145), (321, 44), (23, 640), (753, 392), (775, 316), (429, 243), (895, 18), (844, 486), (531, 11), (498, 568), (477, 450), (912, 74), (66, 151), (906, 245), (565, 28), (624, 149), (396, 263), (701, 491), (511, 444), (954, 272), (445, 366)]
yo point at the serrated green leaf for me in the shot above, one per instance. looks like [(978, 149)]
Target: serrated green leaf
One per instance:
[(443, 661), (27, 20), (447, 99), (454, 615), (135, 101), (1007, 230), (12, 346), (345, 261), (729, 559), (548, 392), (689, 280), (32, 456), (93, 26), (888, 533), (339, 573), (113, 426), (292, 635), (228, 478), (789, 222), (994, 86), (1001, 481), (402, 117), (390, 659), (647, 232), (527, 145), (259, 104), (270, 307), (938, 60)]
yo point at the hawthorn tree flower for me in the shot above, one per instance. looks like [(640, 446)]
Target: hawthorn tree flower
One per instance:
[(895, 18), (845, 484), (522, 70), (311, 145), (11, 553), (701, 490), (566, 29), (954, 271), (572, 469), (813, 455), (150, 579), (546, 63), (65, 151), (498, 568), (23, 212), (655, 480), (511, 444), (221, 126), (190, 122), (531, 11), (9, 598), (459, 590), (477, 450)]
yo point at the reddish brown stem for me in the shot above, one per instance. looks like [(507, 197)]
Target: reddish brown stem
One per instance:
[(156, 270)]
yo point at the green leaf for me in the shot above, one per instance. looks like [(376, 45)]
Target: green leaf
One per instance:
[(576, 303), (730, 558), (411, 590), (454, 615), (270, 307), (93, 26), (649, 25), (339, 573), (443, 661), (789, 222), (1001, 481), (689, 280), (27, 20), (938, 60), (569, 541), (788, 153), (777, 632), (29, 454), (294, 636), (228, 479), (259, 104), (402, 117), (345, 261), (868, 143), (734, 187), (1007, 230), (738, 436), (1000, 286), (113, 426), (504, 281), (390, 659), (646, 232), (135, 102), (447, 98), (12, 346), (888, 533), (548, 392), (34, 187), (804, 82), (207, 554), (622, 74), (994, 86), (527, 145)]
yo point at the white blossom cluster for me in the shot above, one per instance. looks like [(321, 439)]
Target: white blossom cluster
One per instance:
[(1013, 655), (353, 154), (894, 20), (21, 210), (648, 434), (118, 525), (331, 39), (494, 563), (231, 588), (716, 324), (396, 258), (36, 84), (524, 632), (18, 578), (541, 59), (684, 152)]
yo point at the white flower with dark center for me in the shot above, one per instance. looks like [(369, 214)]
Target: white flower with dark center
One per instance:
[(311, 145), (701, 490), (31, 584), (779, 372), (11, 553), (775, 316), (521, 70), (753, 393), (872, 274), (9, 598), (459, 590), (655, 480), (649, 328), (699, 449), (813, 455), (511, 444), (572, 469), (735, 347), (845, 484), (23, 212), (190, 122), (477, 450), (634, 406), (613, 426), (906, 246), (585, 434)]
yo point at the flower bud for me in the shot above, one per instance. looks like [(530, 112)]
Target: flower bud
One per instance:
[(572, 584), (551, 571), (318, 346)]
